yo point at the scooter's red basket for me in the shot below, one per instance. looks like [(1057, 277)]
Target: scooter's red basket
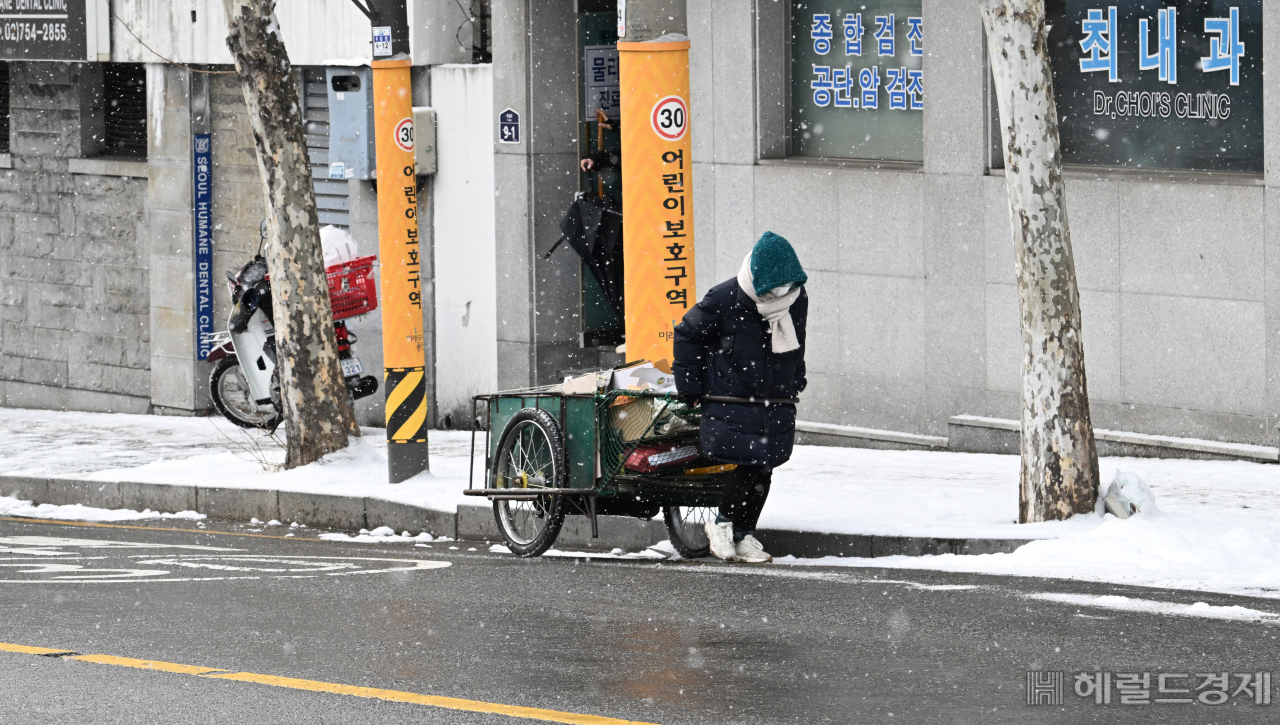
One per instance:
[(351, 288)]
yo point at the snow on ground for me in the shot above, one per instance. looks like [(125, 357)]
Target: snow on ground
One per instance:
[(213, 452), (383, 535), (1217, 528), (1129, 604), (10, 506)]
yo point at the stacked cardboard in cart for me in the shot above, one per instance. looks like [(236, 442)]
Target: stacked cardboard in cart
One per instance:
[(632, 417)]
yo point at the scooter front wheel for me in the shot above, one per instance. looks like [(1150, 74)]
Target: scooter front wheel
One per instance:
[(233, 399)]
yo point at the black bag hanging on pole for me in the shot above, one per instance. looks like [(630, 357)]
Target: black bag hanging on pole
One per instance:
[(593, 228)]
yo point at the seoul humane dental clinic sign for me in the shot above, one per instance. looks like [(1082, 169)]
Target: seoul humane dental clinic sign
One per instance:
[(1152, 85), (74, 30), (857, 79)]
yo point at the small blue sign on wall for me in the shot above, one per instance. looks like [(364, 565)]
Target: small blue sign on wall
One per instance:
[(202, 227), (509, 126)]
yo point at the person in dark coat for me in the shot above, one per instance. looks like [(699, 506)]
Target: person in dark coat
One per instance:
[(745, 339)]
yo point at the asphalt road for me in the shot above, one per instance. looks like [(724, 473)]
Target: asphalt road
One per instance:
[(668, 643)]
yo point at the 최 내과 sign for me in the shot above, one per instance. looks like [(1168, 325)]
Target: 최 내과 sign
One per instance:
[(1158, 85), (55, 30)]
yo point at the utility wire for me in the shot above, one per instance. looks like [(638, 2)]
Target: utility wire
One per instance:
[(161, 57)]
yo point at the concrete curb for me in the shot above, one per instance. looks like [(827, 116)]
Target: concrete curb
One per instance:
[(469, 523)]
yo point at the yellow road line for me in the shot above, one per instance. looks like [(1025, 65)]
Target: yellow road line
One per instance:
[(447, 703), (25, 650), (145, 664)]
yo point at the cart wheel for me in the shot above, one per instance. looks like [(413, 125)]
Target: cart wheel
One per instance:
[(685, 527), (530, 455)]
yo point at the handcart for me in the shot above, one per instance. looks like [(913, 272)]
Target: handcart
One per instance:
[(619, 453)]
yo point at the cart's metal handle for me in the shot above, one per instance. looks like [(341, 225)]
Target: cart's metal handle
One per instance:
[(715, 398), (750, 401), (527, 492)]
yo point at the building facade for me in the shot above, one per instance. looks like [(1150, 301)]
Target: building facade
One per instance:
[(898, 209), (101, 288)]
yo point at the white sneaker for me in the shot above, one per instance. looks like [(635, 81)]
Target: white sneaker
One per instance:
[(751, 551), (721, 538)]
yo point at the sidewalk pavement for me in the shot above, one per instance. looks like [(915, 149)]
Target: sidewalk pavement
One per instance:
[(1217, 526)]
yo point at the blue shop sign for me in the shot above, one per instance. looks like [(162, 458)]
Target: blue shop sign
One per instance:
[(1174, 85), (202, 226)]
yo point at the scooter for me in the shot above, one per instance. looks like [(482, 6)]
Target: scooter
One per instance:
[(245, 382)]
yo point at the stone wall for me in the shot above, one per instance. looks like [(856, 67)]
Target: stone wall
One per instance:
[(238, 202), (74, 328)]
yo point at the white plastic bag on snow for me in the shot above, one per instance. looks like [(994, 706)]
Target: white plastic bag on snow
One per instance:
[(1125, 496)]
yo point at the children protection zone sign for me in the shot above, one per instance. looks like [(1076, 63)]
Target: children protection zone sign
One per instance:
[(657, 195), (670, 118), (404, 134)]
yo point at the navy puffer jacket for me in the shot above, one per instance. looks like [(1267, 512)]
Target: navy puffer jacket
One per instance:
[(723, 347)]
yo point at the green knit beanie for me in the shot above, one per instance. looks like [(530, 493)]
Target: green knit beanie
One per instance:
[(774, 263)]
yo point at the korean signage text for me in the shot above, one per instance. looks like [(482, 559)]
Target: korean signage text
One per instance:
[(858, 79), (1148, 688), (600, 80), (674, 238), (1174, 85)]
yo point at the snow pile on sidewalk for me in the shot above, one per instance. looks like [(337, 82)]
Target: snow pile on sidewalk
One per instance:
[(1233, 553), (213, 452), (383, 535), (1213, 546), (10, 506)]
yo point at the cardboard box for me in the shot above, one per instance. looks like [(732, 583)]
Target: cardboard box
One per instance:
[(644, 376), (633, 418)]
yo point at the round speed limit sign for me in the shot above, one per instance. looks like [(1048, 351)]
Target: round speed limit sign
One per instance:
[(404, 134), (670, 118)]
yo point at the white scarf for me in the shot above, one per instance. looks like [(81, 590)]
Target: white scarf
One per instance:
[(776, 311)]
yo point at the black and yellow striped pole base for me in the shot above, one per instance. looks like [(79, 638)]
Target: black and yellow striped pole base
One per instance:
[(406, 422)]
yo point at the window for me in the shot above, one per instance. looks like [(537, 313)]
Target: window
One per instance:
[(1172, 85), (857, 81), (124, 112), (4, 107)]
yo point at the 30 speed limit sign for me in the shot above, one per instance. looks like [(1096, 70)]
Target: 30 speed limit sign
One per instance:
[(404, 134), (670, 118)]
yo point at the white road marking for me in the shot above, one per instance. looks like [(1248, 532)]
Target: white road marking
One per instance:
[(29, 545), (248, 566), (199, 562), (63, 570)]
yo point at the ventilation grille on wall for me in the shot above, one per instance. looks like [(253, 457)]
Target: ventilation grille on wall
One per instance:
[(4, 107), (124, 109)]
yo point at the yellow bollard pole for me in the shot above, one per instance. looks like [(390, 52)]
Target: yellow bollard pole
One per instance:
[(657, 194), (404, 350)]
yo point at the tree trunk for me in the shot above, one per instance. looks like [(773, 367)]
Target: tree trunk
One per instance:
[(1059, 460), (318, 414)]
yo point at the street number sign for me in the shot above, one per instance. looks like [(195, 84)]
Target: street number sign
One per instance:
[(381, 41), (509, 126)]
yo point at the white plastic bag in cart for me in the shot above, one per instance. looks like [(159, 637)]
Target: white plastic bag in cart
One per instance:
[(339, 246)]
